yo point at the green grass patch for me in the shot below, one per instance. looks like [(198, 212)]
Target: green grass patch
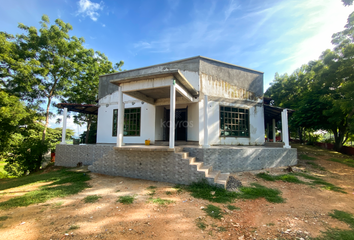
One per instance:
[(213, 211), (348, 162), (316, 166), (344, 217), (126, 199), (285, 177), (292, 178), (159, 201), (60, 184), (4, 218), (219, 195), (201, 224), (151, 187), (57, 204), (152, 193), (231, 207), (305, 157), (270, 224), (73, 227), (168, 193), (179, 188), (221, 229), (335, 233), (91, 198)]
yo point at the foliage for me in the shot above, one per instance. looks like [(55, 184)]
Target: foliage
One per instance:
[(160, 201), (126, 199), (91, 198), (60, 184), (213, 211), (215, 194)]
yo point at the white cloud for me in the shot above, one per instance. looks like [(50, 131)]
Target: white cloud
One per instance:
[(232, 7), (88, 8), (103, 25)]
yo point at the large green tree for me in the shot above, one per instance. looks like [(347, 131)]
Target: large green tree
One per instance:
[(47, 63), (84, 90)]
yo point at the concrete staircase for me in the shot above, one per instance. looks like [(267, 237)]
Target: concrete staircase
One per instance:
[(213, 177)]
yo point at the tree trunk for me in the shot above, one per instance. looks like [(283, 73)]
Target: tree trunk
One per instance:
[(89, 121), (46, 119)]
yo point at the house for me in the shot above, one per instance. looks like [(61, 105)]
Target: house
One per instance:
[(219, 118)]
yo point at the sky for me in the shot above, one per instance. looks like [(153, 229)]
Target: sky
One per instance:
[(266, 35)]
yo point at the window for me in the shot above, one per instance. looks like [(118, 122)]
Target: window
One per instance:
[(131, 122), (234, 122)]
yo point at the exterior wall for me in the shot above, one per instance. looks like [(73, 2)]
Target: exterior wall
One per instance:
[(238, 159), (230, 81), (256, 123), (193, 122), (158, 123), (150, 165), (70, 155), (188, 67), (105, 120)]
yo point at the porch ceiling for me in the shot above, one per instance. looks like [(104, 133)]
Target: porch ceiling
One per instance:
[(157, 93), (272, 112)]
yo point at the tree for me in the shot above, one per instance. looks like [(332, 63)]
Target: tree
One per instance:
[(347, 2), (47, 66), (85, 83)]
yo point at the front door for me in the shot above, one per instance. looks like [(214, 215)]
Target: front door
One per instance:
[(181, 123)]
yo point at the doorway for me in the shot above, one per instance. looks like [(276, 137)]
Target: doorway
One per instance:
[(181, 123)]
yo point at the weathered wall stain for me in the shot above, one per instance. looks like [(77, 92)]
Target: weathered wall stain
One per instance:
[(213, 86)]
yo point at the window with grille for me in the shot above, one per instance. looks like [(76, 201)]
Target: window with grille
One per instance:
[(234, 122), (131, 122)]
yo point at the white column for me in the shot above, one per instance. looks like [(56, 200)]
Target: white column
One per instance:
[(172, 114), (120, 123), (267, 132), (63, 133), (206, 133), (274, 133), (284, 130)]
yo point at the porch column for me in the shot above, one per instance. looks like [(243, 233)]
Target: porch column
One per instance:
[(284, 123), (172, 114), (206, 133), (63, 133), (120, 119), (267, 132), (274, 133)]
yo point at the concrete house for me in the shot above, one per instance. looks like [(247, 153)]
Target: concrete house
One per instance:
[(204, 119)]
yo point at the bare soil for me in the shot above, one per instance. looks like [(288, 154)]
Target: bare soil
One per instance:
[(304, 214)]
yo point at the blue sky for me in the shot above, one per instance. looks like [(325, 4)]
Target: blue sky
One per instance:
[(266, 35)]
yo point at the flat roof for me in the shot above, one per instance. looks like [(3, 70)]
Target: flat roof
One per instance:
[(181, 60)]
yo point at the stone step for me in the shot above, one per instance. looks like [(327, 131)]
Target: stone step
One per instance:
[(222, 180), (213, 174), (205, 169)]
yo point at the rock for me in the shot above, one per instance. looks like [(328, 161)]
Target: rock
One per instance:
[(233, 184), (241, 238)]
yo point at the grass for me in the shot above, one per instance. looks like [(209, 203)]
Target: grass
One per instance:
[(231, 207), (58, 204), (203, 190), (316, 166), (73, 227), (201, 224), (335, 233), (213, 211), (61, 183), (159, 201), (168, 193), (305, 157), (151, 187), (348, 162), (126, 199), (292, 178), (91, 198), (179, 188), (152, 193), (4, 218)]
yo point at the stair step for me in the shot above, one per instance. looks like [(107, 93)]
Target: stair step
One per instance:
[(206, 169), (214, 175), (191, 160)]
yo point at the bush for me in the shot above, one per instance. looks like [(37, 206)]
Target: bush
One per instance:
[(26, 157)]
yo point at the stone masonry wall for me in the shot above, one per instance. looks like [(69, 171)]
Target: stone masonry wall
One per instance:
[(231, 160), (162, 166), (70, 155)]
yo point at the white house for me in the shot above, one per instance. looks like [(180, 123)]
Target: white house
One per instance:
[(217, 111)]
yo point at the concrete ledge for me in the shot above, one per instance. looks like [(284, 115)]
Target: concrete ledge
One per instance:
[(148, 149)]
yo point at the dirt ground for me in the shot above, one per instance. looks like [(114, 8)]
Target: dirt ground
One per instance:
[(304, 213)]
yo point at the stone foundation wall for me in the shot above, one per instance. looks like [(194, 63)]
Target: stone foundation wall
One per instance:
[(231, 160), (70, 155), (162, 166)]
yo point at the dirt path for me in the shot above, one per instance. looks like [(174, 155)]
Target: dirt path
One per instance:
[(305, 212)]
